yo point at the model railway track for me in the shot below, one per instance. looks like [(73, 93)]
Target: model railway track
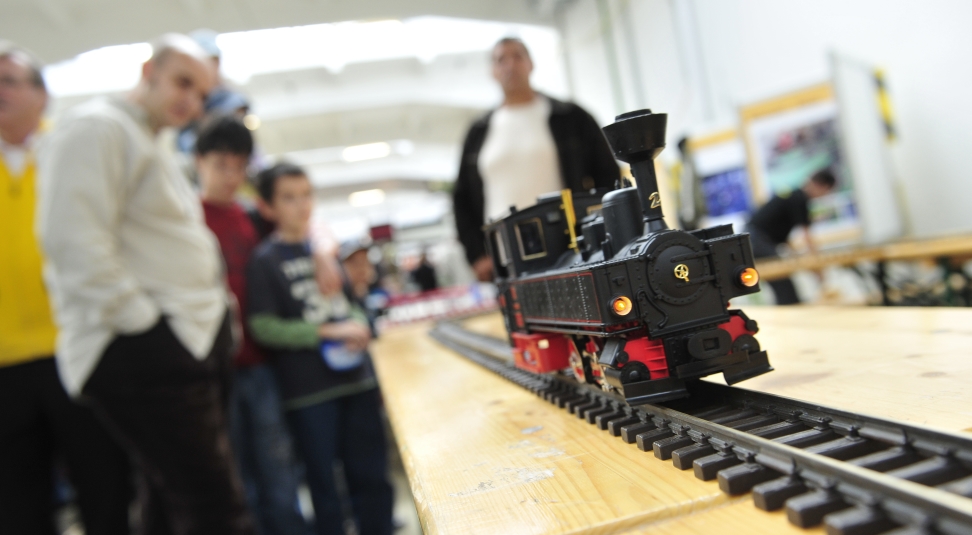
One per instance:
[(855, 474)]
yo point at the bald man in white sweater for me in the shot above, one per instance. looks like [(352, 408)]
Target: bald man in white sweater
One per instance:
[(136, 280)]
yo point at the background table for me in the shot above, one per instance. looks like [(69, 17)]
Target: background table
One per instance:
[(929, 248), (485, 456), (949, 252)]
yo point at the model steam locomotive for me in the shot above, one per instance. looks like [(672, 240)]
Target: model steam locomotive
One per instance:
[(626, 304)]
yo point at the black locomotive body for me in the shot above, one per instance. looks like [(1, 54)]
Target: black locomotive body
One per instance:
[(625, 303)]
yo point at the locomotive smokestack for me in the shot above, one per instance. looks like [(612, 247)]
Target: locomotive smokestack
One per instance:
[(637, 137)]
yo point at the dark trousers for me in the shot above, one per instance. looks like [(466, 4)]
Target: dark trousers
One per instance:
[(763, 247), (348, 429), (168, 409), (39, 421), (265, 452)]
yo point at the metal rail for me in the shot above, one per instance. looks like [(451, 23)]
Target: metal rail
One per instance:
[(855, 474)]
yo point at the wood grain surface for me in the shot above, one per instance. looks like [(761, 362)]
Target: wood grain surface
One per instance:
[(737, 516), (911, 364), (485, 456)]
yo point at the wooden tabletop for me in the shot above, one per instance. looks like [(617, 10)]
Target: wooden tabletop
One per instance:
[(957, 245), (485, 456)]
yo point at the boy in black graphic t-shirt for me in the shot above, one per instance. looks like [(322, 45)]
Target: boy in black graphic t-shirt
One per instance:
[(319, 347)]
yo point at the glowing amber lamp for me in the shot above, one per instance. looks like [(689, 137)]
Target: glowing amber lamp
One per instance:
[(621, 306), (749, 277)]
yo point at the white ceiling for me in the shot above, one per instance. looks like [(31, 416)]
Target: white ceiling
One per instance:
[(60, 29), (309, 115)]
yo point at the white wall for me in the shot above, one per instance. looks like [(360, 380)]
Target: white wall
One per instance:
[(701, 59)]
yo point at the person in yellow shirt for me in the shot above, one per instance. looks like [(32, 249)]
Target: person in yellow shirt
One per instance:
[(38, 421)]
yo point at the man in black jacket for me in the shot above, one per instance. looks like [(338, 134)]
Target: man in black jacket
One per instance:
[(531, 144), (771, 225)]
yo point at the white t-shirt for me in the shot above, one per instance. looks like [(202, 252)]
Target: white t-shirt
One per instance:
[(518, 160)]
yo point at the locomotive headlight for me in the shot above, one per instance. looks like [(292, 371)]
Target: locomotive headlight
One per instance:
[(621, 306), (749, 277)]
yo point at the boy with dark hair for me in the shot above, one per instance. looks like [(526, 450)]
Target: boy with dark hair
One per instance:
[(257, 431), (771, 225), (320, 347)]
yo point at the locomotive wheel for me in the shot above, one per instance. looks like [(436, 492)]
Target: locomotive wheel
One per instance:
[(633, 372)]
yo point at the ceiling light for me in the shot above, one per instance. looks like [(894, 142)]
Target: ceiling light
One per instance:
[(370, 151), (368, 197)]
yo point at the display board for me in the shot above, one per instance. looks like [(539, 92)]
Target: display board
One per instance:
[(789, 138), (719, 161)]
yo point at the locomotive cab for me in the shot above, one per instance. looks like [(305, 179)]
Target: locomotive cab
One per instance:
[(537, 238)]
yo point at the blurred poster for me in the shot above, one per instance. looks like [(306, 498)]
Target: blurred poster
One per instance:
[(727, 192), (791, 137), (719, 159)]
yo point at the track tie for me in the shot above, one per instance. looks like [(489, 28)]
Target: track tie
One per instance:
[(603, 420), (707, 468), (845, 448), (754, 422), (646, 439), (561, 400), (683, 458), (740, 479), (808, 510), (714, 412), (734, 416), (663, 448), (614, 427), (572, 404), (858, 521), (807, 438), (778, 430), (908, 530), (772, 495), (933, 471), (629, 433), (962, 487), (591, 415), (886, 460), (579, 410)]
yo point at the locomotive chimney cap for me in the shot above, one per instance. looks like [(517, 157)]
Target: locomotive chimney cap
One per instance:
[(630, 114), (637, 135)]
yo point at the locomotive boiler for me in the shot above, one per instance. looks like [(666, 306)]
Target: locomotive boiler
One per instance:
[(595, 285)]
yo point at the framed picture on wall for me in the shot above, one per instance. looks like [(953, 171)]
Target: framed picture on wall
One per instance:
[(789, 138), (719, 163)]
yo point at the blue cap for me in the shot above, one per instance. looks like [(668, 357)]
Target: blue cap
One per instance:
[(224, 100)]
